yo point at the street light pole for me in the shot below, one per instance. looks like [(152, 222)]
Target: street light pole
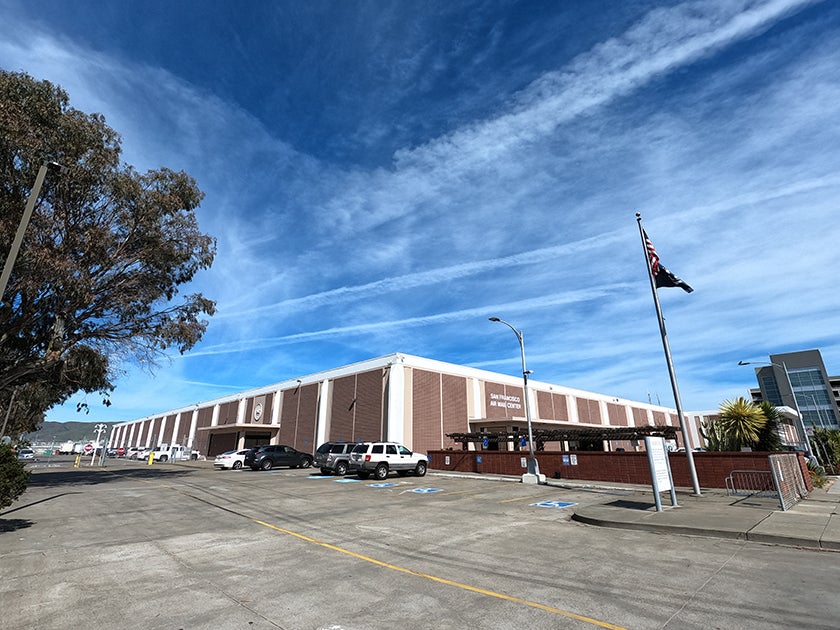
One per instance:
[(27, 214), (817, 409), (803, 434), (533, 473)]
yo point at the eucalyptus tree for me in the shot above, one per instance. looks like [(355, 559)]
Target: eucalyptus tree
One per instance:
[(97, 281)]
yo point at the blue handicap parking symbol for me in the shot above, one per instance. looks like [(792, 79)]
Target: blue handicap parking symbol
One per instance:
[(426, 490), (381, 485), (552, 504), (346, 480)]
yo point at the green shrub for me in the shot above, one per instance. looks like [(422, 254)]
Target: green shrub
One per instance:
[(817, 473), (13, 476)]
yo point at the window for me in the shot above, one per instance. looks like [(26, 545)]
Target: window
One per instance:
[(404, 450), (771, 387), (378, 449), (390, 449), (807, 377)]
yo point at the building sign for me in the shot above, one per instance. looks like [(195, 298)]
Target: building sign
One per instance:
[(507, 401), (502, 401), (660, 469), (659, 464), (259, 409)]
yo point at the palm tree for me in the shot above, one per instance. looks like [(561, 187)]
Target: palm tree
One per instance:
[(740, 422), (769, 437)]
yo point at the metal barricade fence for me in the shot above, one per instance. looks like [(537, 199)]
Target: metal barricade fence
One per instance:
[(787, 475), (751, 483), (784, 481)]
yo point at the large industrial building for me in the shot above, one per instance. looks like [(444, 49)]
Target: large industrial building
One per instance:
[(396, 397)]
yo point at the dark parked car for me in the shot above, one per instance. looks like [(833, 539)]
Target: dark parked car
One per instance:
[(268, 456)]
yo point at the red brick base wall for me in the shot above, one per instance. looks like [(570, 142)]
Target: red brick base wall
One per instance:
[(712, 468)]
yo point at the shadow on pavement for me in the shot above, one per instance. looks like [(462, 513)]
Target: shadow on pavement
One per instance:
[(78, 476), (14, 524), (631, 505), (20, 507), (762, 503)]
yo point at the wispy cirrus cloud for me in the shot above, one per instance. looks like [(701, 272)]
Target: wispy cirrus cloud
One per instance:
[(693, 114)]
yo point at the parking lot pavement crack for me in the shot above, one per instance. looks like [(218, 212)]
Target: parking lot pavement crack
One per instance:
[(696, 593), (386, 565), (214, 585)]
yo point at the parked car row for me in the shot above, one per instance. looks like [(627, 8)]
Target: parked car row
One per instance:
[(26, 454), (340, 458), (264, 457)]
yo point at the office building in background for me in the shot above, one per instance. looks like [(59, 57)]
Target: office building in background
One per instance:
[(817, 394)]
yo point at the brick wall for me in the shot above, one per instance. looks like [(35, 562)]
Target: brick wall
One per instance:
[(712, 468)]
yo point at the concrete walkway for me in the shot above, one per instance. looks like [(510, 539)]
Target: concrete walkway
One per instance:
[(814, 522)]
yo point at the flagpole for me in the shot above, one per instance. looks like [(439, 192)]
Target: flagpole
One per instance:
[(683, 429)]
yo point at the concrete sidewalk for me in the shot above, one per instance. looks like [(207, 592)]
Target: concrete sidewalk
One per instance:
[(814, 522)]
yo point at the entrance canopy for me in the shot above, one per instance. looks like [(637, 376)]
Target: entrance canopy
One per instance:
[(541, 436)]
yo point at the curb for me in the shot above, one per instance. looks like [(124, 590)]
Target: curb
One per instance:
[(659, 529)]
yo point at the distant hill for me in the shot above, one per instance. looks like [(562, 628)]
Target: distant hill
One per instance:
[(63, 431)]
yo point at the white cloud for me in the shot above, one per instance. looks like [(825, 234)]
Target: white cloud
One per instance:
[(526, 214)]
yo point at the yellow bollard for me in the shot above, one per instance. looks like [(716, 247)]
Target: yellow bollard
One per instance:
[(78, 460), (151, 458)]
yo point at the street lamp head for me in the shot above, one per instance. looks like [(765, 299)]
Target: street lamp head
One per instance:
[(495, 319), (743, 362)]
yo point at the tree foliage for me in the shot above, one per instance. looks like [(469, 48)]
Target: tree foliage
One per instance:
[(13, 476), (712, 434), (97, 279), (743, 424), (769, 435), (826, 443), (740, 421)]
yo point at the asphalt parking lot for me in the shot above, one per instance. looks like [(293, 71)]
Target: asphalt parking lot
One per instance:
[(185, 546)]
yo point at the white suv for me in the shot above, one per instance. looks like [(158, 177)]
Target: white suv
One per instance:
[(380, 458)]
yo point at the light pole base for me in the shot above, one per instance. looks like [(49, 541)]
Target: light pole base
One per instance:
[(535, 479)]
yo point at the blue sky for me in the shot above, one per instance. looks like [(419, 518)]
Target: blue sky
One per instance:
[(384, 176)]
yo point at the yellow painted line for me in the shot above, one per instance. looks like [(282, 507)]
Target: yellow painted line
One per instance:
[(466, 587), (433, 578), (448, 493), (519, 499)]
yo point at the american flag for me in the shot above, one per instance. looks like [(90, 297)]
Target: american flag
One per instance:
[(662, 277), (652, 255)]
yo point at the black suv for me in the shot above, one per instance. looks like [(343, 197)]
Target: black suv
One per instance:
[(268, 456), (334, 457)]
